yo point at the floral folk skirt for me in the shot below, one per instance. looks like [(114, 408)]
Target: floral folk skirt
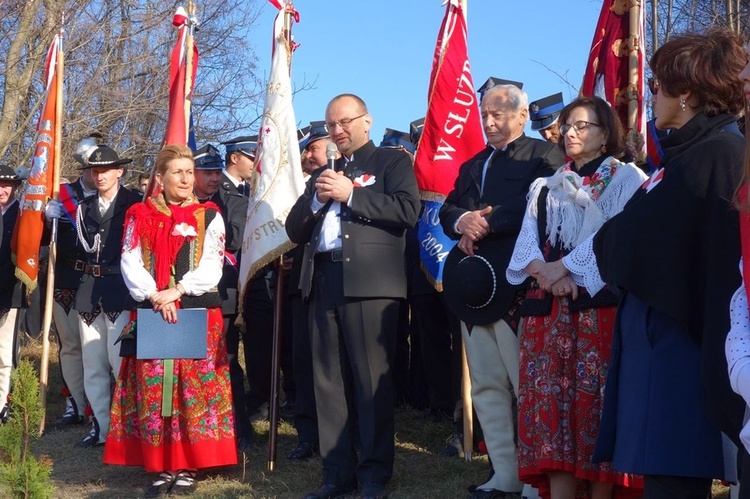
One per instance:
[(563, 363), (200, 431)]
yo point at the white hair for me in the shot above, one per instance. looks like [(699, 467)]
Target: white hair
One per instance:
[(517, 97)]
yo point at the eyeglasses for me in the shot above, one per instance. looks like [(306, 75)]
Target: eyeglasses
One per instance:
[(578, 126), (653, 85), (345, 123)]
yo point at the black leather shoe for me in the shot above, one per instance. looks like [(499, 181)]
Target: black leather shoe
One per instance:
[(330, 491), (305, 450), (494, 494), (5, 414), (373, 490)]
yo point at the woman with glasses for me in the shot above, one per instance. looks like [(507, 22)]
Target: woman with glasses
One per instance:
[(567, 334), (673, 254)]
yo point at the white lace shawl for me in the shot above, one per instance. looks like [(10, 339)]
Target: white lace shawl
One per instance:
[(572, 215)]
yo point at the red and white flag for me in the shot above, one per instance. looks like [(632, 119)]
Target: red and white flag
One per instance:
[(27, 235), (178, 124), (278, 180), (452, 134), (607, 71)]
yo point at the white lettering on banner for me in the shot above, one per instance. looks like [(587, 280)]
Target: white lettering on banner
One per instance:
[(464, 103), (431, 215), (433, 247)]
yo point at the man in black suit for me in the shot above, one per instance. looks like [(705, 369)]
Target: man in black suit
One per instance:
[(11, 289), (233, 205), (486, 208), (102, 295), (352, 221)]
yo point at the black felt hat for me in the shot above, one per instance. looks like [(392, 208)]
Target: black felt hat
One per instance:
[(475, 287), (208, 158), (8, 173), (544, 112), (104, 156)]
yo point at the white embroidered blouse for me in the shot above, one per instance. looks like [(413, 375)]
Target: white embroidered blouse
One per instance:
[(202, 279), (593, 213)]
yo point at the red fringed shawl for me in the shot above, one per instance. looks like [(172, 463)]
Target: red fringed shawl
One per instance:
[(161, 229)]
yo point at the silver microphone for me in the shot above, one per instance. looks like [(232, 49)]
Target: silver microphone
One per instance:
[(331, 152)]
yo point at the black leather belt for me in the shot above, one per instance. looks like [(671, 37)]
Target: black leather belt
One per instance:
[(336, 255), (94, 270)]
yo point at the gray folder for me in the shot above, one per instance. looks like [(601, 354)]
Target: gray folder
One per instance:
[(185, 339)]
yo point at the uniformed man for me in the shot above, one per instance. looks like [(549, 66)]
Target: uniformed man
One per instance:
[(240, 163), (543, 114), (258, 336), (233, 206), (67, 279), (102, 295), (305, 417)]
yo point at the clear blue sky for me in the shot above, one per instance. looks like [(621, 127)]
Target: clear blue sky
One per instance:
[(382, 51)]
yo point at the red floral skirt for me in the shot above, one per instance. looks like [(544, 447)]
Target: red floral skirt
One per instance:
[(563, 364), (200, 432)]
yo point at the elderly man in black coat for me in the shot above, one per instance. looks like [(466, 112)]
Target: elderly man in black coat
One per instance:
[(352, 220), (484, 211)]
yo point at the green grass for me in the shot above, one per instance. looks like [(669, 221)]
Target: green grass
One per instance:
[(418, 473)]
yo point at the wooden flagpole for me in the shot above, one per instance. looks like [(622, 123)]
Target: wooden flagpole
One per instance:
[(634, 65), (189, 66), (49, 294), (278, 308), (467, 403)]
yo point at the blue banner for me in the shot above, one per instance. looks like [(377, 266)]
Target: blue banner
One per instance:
[(434, 245)]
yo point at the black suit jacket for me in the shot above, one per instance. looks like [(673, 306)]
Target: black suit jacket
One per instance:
[(526, 160), (372, 229), (108, 290), (11, 289), (66, 277), (233, 207)]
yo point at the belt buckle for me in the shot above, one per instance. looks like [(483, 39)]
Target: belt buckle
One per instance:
[(79, 265), (96, 270), (337, 255)]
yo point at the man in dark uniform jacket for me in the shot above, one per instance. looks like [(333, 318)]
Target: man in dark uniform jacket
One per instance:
[(233, 205), (67, 279), (486, 208), (11, 289), (313, 157), (258, 306), (102, 294), (352, 222)]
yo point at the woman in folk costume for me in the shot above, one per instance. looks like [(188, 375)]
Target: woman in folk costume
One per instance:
[(738, 339), (673, 253), (566, 336), (173, 252)]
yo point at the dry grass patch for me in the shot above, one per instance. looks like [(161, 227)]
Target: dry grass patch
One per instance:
[(419, 473)]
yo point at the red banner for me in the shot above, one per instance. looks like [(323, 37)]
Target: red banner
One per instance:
[(177, 121), (39, 188), (607, 70), (452, 128)]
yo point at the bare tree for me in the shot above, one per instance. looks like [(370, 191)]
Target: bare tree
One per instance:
[(117, 69)]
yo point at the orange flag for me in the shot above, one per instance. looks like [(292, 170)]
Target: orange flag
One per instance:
[(27, 235)]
